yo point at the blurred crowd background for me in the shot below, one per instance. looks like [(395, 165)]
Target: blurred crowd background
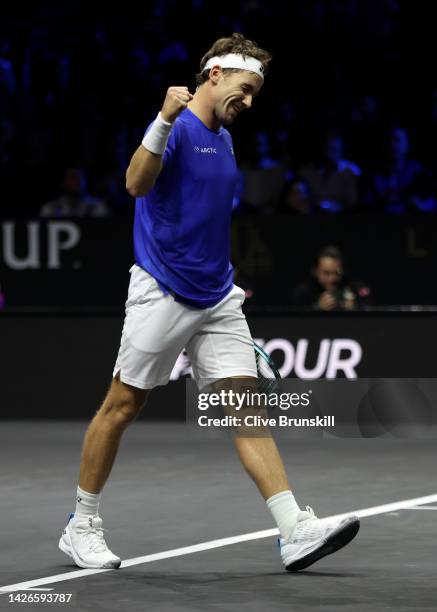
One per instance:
[(346, 121), (343, 132)]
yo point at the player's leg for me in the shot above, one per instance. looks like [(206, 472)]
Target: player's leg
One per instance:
[(121, 406), (223, 351), (222, 354), (304, 538), (258, 452), (82, 538), (261, 460), (153, 335), (155, 331)]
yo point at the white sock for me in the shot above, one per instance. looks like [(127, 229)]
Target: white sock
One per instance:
[(284, 508), (86, 503)]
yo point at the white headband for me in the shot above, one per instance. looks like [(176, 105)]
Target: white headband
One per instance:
[(234, 60)]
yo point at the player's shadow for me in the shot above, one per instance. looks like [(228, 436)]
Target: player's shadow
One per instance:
[(228, 577), (211, 577), (314, 573)]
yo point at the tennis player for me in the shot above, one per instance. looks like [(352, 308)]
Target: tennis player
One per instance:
[(182, 295)]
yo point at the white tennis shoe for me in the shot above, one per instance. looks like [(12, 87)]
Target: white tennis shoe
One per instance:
[(314, 538), (82, 540)]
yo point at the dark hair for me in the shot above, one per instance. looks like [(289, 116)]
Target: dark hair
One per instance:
[(329, 251), (236, 43)]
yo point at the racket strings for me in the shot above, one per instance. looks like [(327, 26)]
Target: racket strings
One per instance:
[(267, 376)]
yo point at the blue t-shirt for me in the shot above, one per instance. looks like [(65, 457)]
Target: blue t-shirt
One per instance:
[(182, 226)]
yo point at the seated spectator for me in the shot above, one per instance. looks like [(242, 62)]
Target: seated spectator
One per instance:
[(334, 181), (401, 184), (364, 131), (263, 177), (110, 187), (328, 289), (297, 199), (74, 200)]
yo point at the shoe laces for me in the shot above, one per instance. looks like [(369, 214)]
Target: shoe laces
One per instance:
[(311, 514), (94, 536), (308, 526)]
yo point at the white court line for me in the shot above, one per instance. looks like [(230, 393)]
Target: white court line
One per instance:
[(187, 550), (37, 589), (420, 508)]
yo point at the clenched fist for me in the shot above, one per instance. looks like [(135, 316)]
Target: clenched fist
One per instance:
[(175, 102)]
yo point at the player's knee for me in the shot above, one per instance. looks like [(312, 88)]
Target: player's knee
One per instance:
[(123, 412), (248, 402), (123, 404)]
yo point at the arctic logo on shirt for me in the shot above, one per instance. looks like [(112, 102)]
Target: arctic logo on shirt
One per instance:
[(205, 150)]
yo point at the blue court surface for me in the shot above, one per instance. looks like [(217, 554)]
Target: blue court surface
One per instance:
[(195, 534)]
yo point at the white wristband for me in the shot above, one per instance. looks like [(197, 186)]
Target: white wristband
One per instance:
[(156, 138)]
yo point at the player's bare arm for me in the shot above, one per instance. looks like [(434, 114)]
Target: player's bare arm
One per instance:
[(146, 162)]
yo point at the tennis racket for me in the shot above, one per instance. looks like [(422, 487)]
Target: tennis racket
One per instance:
[(268, 374)]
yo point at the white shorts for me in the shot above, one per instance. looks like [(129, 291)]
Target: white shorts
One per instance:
[(157, 328)]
